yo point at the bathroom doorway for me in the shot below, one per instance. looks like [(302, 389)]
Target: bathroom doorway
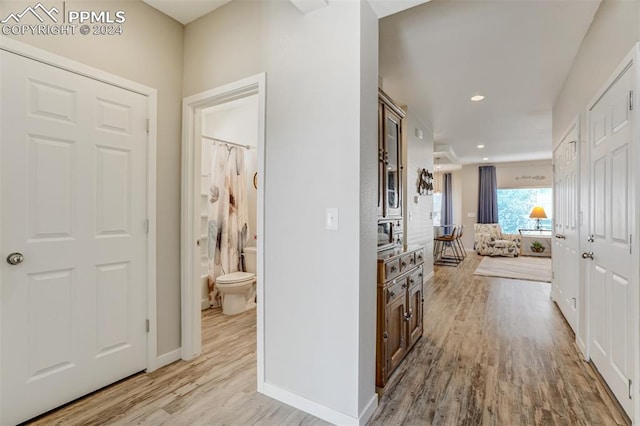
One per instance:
[(230, 118)]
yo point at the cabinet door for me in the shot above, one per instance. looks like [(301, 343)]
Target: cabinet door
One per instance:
[(396, 332), (381, 161), (393, 164), (415, 309), (381, 340)]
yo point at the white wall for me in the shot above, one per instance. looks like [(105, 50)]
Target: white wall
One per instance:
[(319, 285), (368, 215), (149, 52), (614, 31), (418, 208)]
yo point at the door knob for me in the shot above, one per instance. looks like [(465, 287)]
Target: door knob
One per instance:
[(587, 255), (15, 258)]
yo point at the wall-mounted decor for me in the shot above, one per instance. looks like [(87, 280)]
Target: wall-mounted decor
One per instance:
[(425, 182), (525, 177)]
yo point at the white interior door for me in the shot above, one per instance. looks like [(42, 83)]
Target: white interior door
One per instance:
[(73, 187), (612, 281), (565, 251)]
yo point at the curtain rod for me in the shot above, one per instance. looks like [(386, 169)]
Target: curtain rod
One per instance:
[(227, 142)]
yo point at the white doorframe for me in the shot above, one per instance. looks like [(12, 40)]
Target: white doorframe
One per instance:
[(36, 54), (582, 224), (190, 285), (633, 57)]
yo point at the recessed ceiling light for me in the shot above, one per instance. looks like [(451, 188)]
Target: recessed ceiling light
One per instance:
[(485, 159), (438, 167), (480, 146), (477, 98)]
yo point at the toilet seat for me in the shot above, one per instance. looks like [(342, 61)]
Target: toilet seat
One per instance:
[(235, 277), (238, 291)]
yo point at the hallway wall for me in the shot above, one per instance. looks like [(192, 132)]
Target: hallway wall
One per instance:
[(321, 71), (418, 208)]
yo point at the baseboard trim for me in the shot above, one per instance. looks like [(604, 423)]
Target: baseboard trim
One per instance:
[(369, 410), (319, 410), (166, 359), (582, 347), (429, 276), (204, 304)]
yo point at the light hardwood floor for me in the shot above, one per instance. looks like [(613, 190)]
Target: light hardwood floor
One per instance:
[(217, 388), (494, 352)]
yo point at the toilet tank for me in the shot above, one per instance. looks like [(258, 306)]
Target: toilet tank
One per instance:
[(250, 259)]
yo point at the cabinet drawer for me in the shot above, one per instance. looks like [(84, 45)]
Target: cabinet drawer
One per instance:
[(396, 290), (391, 269), (407, 262), (419, 256), (416, 277)]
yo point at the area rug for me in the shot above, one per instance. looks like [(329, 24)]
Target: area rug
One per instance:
[(522, 268)]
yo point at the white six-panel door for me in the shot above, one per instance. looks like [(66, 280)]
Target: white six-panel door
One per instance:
[(612, 285), (73, 163), (566, 256)]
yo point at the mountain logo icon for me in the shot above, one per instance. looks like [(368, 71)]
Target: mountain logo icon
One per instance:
[(39, 11)]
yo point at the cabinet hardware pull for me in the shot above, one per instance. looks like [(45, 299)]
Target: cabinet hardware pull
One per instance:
[(392, 294), (385, 335), (393, 269), (403, 264), (411, 281)]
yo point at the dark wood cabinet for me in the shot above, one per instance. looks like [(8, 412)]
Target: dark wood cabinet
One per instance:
[(396, 330), (400, 309), (390, 167), (415, 308)]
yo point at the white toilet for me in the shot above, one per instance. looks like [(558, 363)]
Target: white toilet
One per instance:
[(238, 289)]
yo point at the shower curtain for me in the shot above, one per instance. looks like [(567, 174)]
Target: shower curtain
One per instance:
[(228, 227)]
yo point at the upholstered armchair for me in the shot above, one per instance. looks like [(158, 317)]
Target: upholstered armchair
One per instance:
[(490, 241)]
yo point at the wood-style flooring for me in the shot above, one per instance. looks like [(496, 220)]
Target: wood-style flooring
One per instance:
[(494, 352), (217, 388)]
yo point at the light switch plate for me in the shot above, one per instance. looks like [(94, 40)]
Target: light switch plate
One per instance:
[(332, 219)]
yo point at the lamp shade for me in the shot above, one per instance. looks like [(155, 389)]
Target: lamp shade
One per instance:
[(537, 213)]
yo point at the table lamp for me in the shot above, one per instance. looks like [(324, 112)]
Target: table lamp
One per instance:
[(537, 213)]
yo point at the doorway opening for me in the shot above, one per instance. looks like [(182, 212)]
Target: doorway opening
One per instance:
[(231, 117)]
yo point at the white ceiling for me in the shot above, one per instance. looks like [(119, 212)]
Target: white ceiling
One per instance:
[(517, 53), (185, 11), (435, 55)]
